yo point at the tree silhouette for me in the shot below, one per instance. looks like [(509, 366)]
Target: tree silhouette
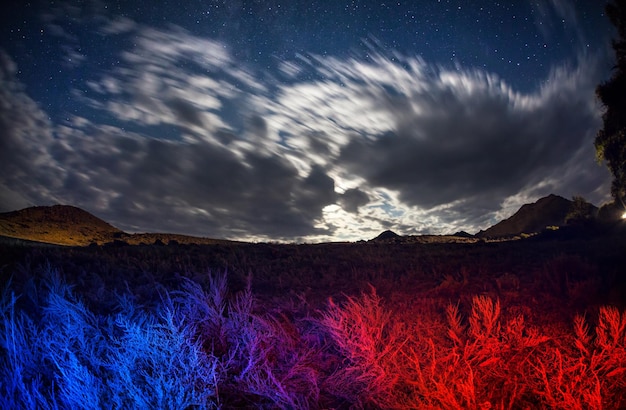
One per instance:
[(580, 211), (610, 141)]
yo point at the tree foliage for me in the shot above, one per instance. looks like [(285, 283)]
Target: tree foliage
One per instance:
[(610, 141), (580, 211)]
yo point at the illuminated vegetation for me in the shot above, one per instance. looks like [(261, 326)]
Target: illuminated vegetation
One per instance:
[(315, 326)]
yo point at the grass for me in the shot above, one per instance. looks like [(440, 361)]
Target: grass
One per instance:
[(434, 327)]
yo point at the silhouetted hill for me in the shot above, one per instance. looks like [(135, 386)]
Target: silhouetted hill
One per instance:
[(387, 235), (530, 218), (69, 225), (58, 224), (390, 237)]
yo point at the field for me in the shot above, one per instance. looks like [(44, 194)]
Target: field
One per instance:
[(524, 324)]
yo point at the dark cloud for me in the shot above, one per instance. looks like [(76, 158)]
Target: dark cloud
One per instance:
[(198, 188), (177, 136), (258, 126), (153, 184), (25, 133), (318, 143), (477, 147), (352, 199), (185, 112), (315, 192), (224, 137)]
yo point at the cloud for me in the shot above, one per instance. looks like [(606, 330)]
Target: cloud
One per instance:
[(138, 182), (181, 137), (119, 25), (464, 144), (185, 112), (257, 126), (458, 138), (169, 78), (552, 14), (25, 134), (205, 188), (352, 199)]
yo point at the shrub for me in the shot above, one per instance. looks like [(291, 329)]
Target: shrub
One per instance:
[(367, 340), (201, 347), (71, 358)]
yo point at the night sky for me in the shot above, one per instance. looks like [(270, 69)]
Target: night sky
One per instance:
[(298, 120)]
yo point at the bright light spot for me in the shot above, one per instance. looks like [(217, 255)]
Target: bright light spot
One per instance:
[(624, 215)]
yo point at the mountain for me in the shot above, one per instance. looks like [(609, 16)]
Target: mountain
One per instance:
[(387, 236), (390, 237), (58, 224), (548, 211), (68, 225)]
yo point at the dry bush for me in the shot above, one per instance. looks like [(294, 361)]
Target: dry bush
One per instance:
[(203, 347), (368, 341)]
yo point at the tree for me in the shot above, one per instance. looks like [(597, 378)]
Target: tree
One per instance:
[(610, 141), (580, 211)]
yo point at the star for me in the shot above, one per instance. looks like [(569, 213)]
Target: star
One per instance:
[(300, 120)]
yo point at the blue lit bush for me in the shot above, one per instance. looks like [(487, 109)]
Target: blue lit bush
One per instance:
[(195, 349), (67, 357)]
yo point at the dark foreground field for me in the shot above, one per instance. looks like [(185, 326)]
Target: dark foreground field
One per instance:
[(534, 323)]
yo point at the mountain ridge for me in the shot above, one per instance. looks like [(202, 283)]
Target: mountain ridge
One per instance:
[(57, 224), (551, 210), (72, 226)]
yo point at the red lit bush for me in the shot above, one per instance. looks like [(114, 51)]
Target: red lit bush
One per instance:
[(368, 341)]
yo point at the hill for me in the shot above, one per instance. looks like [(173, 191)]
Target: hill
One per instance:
[(390, 237), (547, 211), (58, 224), (387, 236), (69, 225)]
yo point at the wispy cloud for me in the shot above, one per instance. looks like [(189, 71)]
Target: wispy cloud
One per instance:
[(554, 15), (180, 136), (26, 133)]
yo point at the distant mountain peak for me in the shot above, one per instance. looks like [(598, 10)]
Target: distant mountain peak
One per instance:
[(69, 225), (386, 235), (550, 210), (58, 224)]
